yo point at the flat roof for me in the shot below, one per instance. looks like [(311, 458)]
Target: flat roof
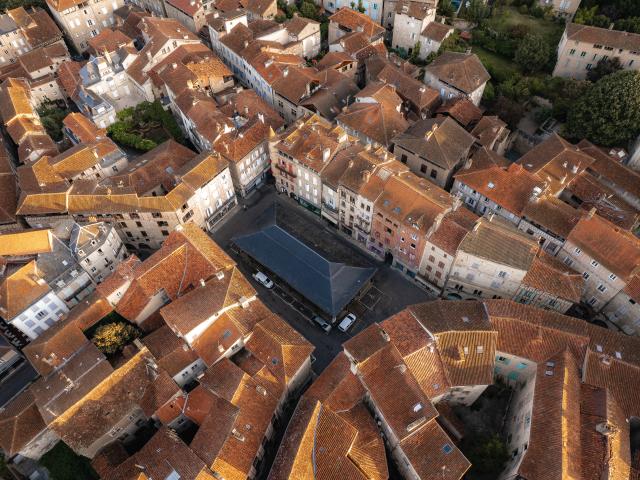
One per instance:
[(328, 285)]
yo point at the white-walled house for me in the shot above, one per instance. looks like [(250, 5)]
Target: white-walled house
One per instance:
[(28, 303)]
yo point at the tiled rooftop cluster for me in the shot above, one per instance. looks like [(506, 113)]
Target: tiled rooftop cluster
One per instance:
[(208, 329), (407, 168), (393, 374)]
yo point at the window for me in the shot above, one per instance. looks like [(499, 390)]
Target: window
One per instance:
[(40, 315), (572, 51), (423, 168), (593, 301), (602, 288), (578, 251), (594, 263), (465, 350), (568, 261), (480, 349), (434, 173), (589, 66), (583, 54), (612, 276), (403, 158), (502, 274), (447, 448)]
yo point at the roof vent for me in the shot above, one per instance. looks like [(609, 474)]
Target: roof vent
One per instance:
[(237, 435), (606, 429), (384, 335), (417, 407), (220, 275), (202, 284)]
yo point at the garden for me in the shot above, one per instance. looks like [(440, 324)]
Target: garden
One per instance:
[(145, 126), (51, 115)]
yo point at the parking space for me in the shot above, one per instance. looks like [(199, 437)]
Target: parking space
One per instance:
[(371, 298), (389, 292)]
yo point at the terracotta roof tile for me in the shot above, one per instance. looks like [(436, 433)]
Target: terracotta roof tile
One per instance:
[(599, 238), (603, 36), (21, 423), (354, 21), (462, 110), (549, 275), (512, 188), (465, 72)]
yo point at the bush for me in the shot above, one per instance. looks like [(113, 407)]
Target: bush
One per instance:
[(113, 337)]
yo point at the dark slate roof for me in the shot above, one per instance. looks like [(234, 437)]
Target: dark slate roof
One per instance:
[(328, 285)]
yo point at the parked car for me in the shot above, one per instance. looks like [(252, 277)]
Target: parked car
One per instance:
[(263, 279), (347, 322), (322, 323)]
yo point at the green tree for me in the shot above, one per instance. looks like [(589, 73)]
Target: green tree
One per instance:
[(533, 53), (63, 464), (113, 337), (475, 10), (508, 110), (603, 68), (446, 8), (631, 24), (590, 16), (309, 10), (488, 455), (51, 116), (361, 8), (489, 94), (415, 53), (608, 113)]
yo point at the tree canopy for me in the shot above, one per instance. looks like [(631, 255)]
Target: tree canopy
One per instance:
[(113, 337), (603, 68), (533, 53), (609, 112)]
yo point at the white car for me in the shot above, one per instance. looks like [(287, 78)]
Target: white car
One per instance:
[(263, 279), (347, 322)]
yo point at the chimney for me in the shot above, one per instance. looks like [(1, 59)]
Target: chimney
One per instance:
[(591, 213), (261, 117), (325, 154), (285, 72)]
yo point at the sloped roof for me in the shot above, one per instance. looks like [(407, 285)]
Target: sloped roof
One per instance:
[(330, 286), (439, 140), (463, 71)]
